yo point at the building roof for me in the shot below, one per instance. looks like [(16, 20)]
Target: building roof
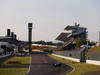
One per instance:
[(5, 43), (63, 36), (69, 28), (74, 27), (8, 39), (76, 30)]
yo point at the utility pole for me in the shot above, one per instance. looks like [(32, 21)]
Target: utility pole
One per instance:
[(30, 36)]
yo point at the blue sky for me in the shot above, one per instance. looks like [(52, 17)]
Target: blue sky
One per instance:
[(49, 17)]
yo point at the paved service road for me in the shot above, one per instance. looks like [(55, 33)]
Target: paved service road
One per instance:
[(42, 65)]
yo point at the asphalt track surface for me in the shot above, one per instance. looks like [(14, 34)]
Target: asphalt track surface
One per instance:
[(42, 64)]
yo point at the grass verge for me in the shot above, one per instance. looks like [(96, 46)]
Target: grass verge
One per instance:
[(12, 71), (15, 71), (21, 60), (96, 48), (80, 68), (93, 51)]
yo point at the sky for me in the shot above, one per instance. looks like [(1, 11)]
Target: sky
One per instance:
[(49, 17)]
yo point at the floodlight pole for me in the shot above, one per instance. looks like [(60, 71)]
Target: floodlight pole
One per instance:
[(30, 36)]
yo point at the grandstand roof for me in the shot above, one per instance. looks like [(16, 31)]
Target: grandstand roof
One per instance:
[(63, 36), (73, 27)]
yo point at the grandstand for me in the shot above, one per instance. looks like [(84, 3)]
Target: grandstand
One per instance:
[(71, 36)]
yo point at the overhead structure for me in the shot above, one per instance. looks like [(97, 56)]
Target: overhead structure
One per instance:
[(30, 36), (75, 32)]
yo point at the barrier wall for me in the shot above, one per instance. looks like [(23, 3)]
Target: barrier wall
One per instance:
[(73, 54)]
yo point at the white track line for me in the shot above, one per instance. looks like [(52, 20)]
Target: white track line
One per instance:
[(93, 62), (70, 58), (29, 65)]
